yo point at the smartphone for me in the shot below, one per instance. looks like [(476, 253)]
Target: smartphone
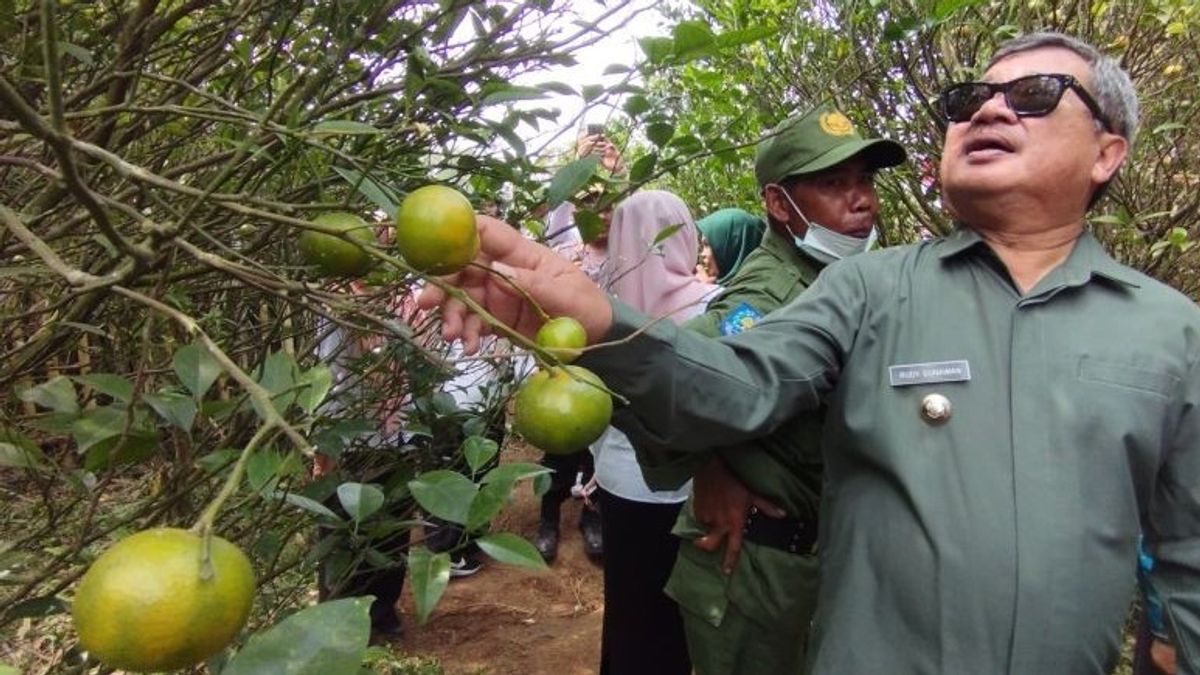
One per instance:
[(595, 130)]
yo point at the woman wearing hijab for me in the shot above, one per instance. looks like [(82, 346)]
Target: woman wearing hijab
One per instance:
[(643, 631), (730, 234)]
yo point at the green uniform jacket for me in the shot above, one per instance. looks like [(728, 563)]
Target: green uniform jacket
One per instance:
[(1003, 539), (756, 619)]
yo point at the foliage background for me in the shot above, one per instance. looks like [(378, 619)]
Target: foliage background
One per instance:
[(158, 158)]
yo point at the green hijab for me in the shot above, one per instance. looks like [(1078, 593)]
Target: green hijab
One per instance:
[(732, 234)]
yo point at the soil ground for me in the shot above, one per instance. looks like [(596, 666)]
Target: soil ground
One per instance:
[(507, 620)]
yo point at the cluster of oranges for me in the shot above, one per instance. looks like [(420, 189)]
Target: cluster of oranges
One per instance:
[(165, 598)]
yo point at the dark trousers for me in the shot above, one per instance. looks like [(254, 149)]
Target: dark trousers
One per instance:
[(643, 630), (565, 467)]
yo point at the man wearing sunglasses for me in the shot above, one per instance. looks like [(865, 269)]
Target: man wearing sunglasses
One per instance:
[(1008, 408)]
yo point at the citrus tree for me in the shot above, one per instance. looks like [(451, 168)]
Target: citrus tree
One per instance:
[(204, 323)]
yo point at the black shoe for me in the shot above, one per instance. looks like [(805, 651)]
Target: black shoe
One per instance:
[(593, 538), (546, 541)]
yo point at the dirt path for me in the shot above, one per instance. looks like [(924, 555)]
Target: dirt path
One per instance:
[(505, 620)]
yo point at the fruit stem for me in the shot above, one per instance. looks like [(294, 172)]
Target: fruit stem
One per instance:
[(204, 524)]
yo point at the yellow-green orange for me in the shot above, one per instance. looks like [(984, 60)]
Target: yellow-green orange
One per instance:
[(435, 230), (332, 255), (564, 337), (559, 413), (148, 605)]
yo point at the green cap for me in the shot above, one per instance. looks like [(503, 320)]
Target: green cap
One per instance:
[(814, 142)]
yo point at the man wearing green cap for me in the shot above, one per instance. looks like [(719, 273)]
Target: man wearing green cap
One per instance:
[(749, 612)]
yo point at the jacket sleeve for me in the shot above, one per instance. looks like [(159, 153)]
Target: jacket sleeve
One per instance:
[(690, 392), (1174, 531)]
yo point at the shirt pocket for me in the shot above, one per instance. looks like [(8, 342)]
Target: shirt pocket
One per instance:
[(698, 585), (1137, 378)]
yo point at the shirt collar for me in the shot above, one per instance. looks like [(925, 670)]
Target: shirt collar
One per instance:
[(1088, 258), (784, 249)]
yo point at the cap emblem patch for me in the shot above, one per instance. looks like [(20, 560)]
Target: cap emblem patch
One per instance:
[(836, 124)]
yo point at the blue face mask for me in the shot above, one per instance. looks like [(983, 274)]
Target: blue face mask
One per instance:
[(827, 242)]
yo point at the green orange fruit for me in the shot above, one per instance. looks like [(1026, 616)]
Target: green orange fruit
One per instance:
[(559, 413), (151, 603), (333, 255), (436, 231), (564, 337)]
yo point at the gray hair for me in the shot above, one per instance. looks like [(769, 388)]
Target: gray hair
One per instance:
[(1110, 84)]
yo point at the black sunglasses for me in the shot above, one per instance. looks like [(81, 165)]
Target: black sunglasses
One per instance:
[(1029, 96)]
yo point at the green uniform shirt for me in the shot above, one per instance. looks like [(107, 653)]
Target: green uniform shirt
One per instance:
[(756, 619), (1002, 540), (786, 466)]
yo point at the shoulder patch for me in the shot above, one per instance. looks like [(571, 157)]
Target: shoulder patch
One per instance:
[(741, 318)]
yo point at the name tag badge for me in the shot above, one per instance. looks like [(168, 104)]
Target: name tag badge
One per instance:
[(929, 373)]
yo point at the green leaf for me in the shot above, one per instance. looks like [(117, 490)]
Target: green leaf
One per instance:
[(278, 376), (589, 223), (445, 494), (479, 451), (360, 501), (81, 55), (558, 88), (217, 460), (945, 8), (314, 385), (737, 38), (20, 456), (18, 451), (897, 29), (118, 450), (616, 69), (196, 368), (333, 439), (6, 669), (511, 137), (57, 394), (660, 133), (636, 105), (326, 639), (515, 471), (570, 179), (591, 92), (429, 573), (657, 49), (666, 233), (119, 388), (376, 193), (173, 407), (343, 128), (509, 548), (692, 39), (37, 608), (1169, 126), (643, 168), (512, 93), (265, 466), (98, 424), (311, 505), (487, 505)]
